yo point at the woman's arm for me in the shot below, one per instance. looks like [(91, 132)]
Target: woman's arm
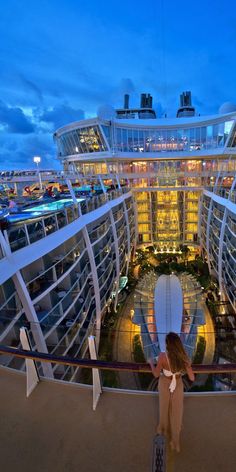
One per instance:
[(156, 370), (190, 373)]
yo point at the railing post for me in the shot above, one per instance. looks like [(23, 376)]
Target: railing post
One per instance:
[(27, 234), (32, 377), (71, 190), (97, 389)]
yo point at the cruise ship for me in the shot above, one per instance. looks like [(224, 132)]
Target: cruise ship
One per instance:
[(181, 172), (132, 179), (129, 179)]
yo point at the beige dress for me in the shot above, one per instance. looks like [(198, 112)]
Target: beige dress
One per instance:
[(171, 398)]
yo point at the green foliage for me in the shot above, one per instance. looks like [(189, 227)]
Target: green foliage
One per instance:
[(109, 377), (145, 379), (200, 351), (138, 350)]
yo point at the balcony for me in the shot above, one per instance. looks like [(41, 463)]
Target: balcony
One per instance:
[(56, 429)]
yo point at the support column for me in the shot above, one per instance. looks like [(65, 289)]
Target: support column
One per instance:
[(95, 282), (118, 182), (136, 221), (208, 234), (97, 388), (31, 316), (184, 217), (128, 235), (5, 245), (200, 203), (103, 187), (71, 190), (150, 215), (113, 226), (220, 262), (32, 377), (40, 181)]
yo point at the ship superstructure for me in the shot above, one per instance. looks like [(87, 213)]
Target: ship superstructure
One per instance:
[(60, 268), (166, 162), (130, 179)]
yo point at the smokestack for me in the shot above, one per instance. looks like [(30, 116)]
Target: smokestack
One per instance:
[(126, 101), (149, 101), (146, 100), (143, 100), (186, 108), (185, 99)]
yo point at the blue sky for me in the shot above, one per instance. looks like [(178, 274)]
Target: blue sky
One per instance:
[(62, 60)]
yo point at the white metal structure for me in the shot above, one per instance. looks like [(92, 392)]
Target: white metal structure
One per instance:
[(168, 307), (58, 271)]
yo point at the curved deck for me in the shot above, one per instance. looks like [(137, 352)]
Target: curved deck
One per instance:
[(55, 429)]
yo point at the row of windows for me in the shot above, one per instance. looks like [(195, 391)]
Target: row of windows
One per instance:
[(90, 139), (157, 140), (80, 141), (168, 168)]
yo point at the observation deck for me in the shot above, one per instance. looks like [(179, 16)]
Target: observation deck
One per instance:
[(56, 429)]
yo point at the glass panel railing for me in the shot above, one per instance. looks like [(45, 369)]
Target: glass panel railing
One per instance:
[(20, 235), (213, 353), (10, 311), (35, 231), (17, 237)]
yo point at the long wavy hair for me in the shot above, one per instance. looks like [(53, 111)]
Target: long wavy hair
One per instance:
[(177, 356)]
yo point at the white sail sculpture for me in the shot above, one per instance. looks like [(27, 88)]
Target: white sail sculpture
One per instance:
[(168, 306)]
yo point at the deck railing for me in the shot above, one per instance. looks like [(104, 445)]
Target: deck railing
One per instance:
[(112, 366), (25, 233)]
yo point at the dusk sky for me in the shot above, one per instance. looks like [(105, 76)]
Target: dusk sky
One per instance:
[(62, 60)]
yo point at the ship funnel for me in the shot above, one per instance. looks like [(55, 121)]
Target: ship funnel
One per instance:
[(146, 100), (126, 101), (186, 108)]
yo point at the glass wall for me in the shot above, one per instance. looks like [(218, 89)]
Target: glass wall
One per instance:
[(232, 140), (158, 140), (91, 139), (81, 140)]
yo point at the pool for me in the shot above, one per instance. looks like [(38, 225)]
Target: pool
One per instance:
[(52, 206), (16, 217), (38, 210)]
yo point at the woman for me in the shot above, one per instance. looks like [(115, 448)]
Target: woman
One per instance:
[(171, 365)]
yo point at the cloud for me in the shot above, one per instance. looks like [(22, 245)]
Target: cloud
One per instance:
[(16, 152), (14, 120), (61, 115), (30, 86), (126, 86)]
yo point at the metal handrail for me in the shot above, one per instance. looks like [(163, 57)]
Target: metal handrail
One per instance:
[(103, 365)]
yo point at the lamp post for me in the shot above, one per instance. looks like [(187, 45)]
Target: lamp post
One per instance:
[(37, 160)]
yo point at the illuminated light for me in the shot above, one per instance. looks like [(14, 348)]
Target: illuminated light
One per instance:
[(37, 160)]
